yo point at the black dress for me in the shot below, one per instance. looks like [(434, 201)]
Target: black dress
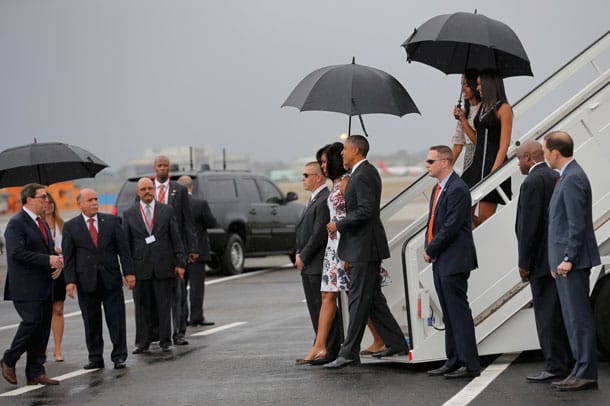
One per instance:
[(488, 129)]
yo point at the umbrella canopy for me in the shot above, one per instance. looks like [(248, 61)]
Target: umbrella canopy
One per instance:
[(47, 163), (351, 89), (454, 43)]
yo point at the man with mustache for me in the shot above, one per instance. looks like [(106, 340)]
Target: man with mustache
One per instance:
[(158, 255), (92, 245)]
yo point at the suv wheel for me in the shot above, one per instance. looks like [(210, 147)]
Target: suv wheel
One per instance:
[(233, 257)]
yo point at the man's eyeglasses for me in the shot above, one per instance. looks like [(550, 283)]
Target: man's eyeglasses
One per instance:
[(43, 197), (306, 175), (431, 161)]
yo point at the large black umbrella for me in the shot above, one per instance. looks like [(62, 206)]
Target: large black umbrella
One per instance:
[(454, 43), (46, 163), (351, 89)]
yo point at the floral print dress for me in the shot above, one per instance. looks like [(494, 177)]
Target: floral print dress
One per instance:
[(334, 277)]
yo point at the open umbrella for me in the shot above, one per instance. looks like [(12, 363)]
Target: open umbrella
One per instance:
[(454, 43), (351, 89), (46, 163)]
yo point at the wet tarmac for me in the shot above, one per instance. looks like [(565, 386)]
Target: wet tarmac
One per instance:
[(247, 358)]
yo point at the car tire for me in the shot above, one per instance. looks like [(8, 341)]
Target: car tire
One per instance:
[(601, 314), (234, 256)]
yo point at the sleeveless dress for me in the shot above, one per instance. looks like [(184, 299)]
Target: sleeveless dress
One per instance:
[(488, 129), (334, 277)]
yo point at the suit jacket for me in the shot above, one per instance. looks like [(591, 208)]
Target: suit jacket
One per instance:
[(162, 256), (178, 199), (311, 233), (87, 265), (29, 273), (363, 237), (532, 221), (202, 220), (452, 244), (571, 231)]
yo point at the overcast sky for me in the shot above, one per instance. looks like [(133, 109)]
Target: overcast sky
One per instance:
[(119, 76)]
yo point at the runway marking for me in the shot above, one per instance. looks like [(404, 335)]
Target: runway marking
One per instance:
[(477, 385), (217, 329), (29, 388)]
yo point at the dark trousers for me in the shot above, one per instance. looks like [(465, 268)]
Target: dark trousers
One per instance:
[(550, 327), (573, 293), (114, 310), (196, 280), (32, 337), (179, 307), (313, 297), (460, 341), (366, 300), (148, 294)]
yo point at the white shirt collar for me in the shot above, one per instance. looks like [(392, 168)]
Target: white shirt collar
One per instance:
[(357, 165), (151, 204), (533, 166), (31, 213), (315, 192)]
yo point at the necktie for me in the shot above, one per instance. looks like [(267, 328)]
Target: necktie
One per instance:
[(161, 196), (43, 230), (92, 231), (431, 222), (148, 217)]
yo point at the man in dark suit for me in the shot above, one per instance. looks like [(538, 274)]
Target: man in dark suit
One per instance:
[(171, 193), (449, 246), (573, 251), (32, 264), (531, 229), (92, 244), (158, 256), (195, 271), (311, 241), (363, 244)]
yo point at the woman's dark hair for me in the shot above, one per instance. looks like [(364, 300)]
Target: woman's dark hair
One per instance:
[(320, 152), (471, 81), (492, 88), (334, 161)]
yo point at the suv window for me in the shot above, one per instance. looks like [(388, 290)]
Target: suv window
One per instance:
[(270, 193), (248, 191), (219, 190)]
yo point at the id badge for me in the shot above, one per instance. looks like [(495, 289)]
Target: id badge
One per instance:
[(150, 239)]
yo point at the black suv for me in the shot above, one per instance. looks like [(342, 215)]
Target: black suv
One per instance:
[(254, 217)]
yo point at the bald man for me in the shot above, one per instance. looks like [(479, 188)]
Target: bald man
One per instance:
[(531, 229), (92, 244), (158, 255)]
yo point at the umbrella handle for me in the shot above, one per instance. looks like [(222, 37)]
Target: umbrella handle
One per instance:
[(362, 125)]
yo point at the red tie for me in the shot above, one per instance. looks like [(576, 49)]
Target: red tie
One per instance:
[(43, 230), (161, 197), (92, 231), (431, 222)]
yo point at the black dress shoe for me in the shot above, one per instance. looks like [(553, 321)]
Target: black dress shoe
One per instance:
[(441, 371), (342, 362), (462, 372), (181, 341), (388, 352), (576, 384), (140, 350), (543, 377), (43, 380), (201, 323), (120, 365), (94, 365)]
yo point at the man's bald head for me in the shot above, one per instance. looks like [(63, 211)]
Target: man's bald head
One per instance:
[(146, 190), (529, 154), (187, 182)]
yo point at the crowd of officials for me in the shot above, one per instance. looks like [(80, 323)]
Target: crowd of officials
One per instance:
[(159, 246), (341, 243)]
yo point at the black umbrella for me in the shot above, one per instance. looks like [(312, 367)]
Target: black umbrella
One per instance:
[(351, 89), (46, 163), (454, 43)]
